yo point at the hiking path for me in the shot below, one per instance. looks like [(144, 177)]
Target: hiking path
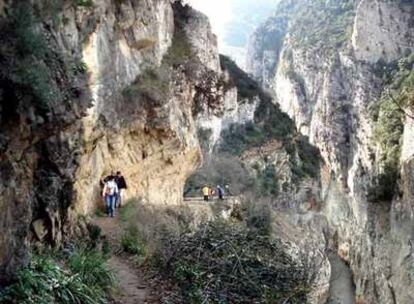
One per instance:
[(134, 285)]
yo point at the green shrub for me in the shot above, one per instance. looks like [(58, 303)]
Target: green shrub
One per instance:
[(323, 25), (36, 76), (84, 3), (216, 262), (152, 85), (257, 214), (145, 226), (91, 266), (131, 242), (267, 181), (180, 50), (46, 280), (246, 86), (310, 159), (31, 64), (95, 233), (389, 116), (270, 123), (29, 40), (204, 136)]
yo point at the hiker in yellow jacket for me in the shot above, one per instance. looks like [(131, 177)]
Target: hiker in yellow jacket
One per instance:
[(206, 192)]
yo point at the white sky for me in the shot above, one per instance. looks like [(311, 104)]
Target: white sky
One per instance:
[(218, 11)]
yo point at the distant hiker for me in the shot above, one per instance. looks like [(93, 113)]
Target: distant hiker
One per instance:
[(212, 192), (110, 192), (206, 193), (121, 183), (227, 188), (220, 192)]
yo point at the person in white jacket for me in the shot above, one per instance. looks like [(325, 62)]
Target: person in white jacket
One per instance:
[(110, 193)]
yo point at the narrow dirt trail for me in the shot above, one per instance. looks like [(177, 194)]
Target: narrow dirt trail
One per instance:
[(134, 287), (342, 289)]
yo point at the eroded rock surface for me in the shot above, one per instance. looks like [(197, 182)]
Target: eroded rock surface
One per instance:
[(328, 85), (110, 107)]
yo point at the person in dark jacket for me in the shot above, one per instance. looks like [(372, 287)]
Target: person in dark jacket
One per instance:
[(121, 183), (220, 192), (104, 180)]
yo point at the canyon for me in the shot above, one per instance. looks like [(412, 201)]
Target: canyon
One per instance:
[(140, 87)]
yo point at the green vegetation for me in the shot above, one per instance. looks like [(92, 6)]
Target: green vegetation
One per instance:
[(321, 24), (90, 265), (146, 227), (317, 24), (270, 123), (204, 138), (32, 69), (81, 278), (180, 50), (232, 261), (221, 169), (247, 88), (154, 83), (267, 181), (389, 116), (131, 242), (85, 3), (308, 159)]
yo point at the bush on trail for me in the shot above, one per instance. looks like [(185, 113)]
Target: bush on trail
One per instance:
[(234, 261), (228, 263)]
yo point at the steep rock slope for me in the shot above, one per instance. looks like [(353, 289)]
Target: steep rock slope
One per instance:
[(88, 88), (347, 84)]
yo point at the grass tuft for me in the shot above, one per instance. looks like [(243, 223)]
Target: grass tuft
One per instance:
[(83, 278)]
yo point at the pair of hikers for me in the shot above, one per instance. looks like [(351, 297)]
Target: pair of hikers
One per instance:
[(113, 186), (209, 191)]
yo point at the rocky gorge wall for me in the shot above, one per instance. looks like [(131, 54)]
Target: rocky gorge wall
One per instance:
[(328, 79), (88, 88)]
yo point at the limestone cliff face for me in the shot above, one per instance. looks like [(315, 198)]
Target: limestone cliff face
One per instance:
[(148, 143), (328, 84), (89, 89), (382, 30)]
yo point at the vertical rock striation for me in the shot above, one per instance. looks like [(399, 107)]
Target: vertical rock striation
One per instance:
[(329, 77), (86, 89)]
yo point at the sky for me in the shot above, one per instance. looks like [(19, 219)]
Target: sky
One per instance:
[(219, 13), (234, 20)]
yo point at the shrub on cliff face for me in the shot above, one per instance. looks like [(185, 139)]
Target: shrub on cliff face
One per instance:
[(320, 24), (389, 115), (270, 123), (153, 84), (34, 68), (180, 50), (246, 87)]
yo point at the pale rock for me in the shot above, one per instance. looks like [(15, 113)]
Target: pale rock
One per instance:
[(383, 30), (328, 95)]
